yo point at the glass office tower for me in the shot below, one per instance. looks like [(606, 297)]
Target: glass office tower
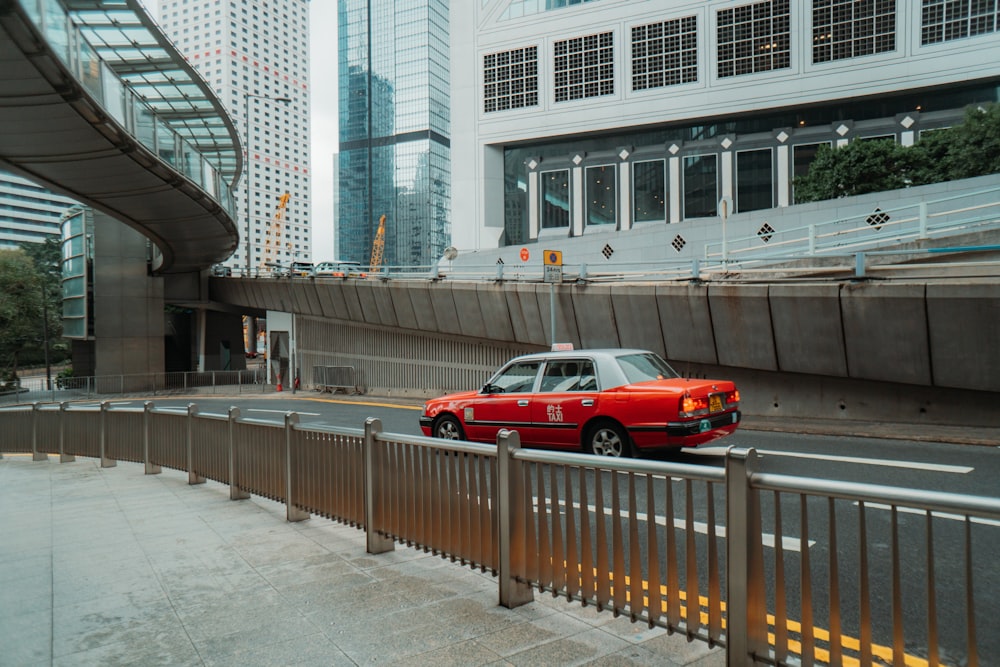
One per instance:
[(394, 130)]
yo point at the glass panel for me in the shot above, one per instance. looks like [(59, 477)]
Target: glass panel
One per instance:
[(76, 286), (754, 180), (90, 70), (74, 307), (75, 245), (57, 29), (602, 196), (143, 124), (73, 266), (555, 199), (649, 192), (701, 190), (112, 96), (165, 142), (74, 328)]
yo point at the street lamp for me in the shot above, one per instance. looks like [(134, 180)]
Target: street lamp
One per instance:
[(246, 120)]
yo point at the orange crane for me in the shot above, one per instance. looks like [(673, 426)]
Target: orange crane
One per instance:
[(377, 247), (272, 241)]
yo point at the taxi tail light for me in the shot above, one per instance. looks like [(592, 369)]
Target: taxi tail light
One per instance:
[(733, 397), (692, 406)]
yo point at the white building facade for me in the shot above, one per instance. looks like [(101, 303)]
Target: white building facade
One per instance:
[(28, 213), (582, 118), (255, 55)]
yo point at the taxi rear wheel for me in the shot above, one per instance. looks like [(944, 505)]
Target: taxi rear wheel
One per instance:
[(449, 428), (607, 439)]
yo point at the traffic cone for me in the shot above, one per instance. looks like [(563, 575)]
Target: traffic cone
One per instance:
[(278, 386)]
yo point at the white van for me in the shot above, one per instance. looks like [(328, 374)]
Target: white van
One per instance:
[(339, 269)]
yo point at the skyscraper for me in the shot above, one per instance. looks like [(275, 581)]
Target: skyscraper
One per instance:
[(395, 126), (255, 55), (28, 213)]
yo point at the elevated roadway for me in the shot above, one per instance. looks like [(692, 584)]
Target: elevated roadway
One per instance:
[(96, 103)]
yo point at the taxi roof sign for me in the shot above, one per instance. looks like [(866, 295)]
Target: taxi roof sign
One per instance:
[(552, 257), (562, 347)]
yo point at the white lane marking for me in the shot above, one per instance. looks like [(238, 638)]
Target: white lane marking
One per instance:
[(787, 543), (281, 412), (936, 515), (911, 465)]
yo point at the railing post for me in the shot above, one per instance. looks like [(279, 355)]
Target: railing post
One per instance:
[(292, 513), (859, 265), (235, 492), (63, 456), (695, 269), (105, 461), (922, 212), (746, 613), (193, 477), (35, 454), (376, 543), (147, 431), (812, 239), (510, 510)]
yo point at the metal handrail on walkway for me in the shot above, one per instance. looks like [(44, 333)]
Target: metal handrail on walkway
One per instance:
[(678, 546)]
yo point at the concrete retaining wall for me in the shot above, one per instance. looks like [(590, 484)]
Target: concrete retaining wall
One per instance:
[(932, 335)]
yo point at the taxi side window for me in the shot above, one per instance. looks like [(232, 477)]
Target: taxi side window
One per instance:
[(515, 379), (569, 375)]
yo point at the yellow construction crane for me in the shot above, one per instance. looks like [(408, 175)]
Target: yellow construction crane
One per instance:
[(377, 247), (272, 241)]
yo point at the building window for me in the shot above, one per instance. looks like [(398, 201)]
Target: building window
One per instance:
[(584, 67), (754, 180), (601, 196), (754, 38), (701, 189), (510, 79), (945, 20), (850, 28), (555, 199), (649, 192), (665, 53)]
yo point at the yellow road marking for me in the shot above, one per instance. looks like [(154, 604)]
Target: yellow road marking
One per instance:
[(372, 403), (884, 653)]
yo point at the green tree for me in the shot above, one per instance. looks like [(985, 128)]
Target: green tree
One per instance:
[(856, 169), (964, 151), (20, 308)]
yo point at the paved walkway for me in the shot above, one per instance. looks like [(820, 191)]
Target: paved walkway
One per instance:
[(114, 567)]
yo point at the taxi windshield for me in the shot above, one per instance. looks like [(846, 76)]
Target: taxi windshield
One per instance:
[(645, 367)]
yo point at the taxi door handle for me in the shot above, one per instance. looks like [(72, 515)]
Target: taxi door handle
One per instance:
[(522, 403), (587, 402)]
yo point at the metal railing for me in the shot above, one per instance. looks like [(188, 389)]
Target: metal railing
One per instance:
[(695, 549), (61, 388), (334, 378)]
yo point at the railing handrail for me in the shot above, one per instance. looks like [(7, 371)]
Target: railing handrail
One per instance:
[(931, 501)]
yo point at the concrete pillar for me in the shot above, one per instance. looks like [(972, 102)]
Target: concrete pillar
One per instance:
[(128, 302)]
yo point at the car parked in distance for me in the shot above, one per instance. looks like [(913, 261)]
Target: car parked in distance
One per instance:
[(341, 269), (609, 402)]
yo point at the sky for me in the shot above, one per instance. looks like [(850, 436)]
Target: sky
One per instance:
[(323, 120)]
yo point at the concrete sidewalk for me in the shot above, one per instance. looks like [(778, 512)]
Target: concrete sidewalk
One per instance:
[(114, 567)]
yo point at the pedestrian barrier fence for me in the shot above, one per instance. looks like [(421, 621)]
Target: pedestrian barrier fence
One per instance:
[(778, 569), (334, 378), (62, 388)]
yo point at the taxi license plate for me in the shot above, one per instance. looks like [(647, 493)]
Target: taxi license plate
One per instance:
[(715, 403)]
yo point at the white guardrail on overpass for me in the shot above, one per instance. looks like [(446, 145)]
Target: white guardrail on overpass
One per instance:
[(700, 550), (903, 240)]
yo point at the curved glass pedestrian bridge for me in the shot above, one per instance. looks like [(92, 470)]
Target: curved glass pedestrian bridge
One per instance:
[(96, 103)]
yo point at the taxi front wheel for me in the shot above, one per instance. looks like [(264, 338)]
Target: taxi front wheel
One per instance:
[(607, 439), (447, 427)]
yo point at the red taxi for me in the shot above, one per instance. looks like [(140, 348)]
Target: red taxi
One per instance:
[(608, 402)]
